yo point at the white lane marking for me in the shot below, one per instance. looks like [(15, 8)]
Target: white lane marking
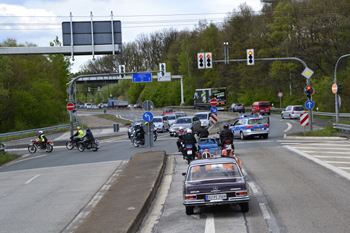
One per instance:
[(332, 157), (264, 211), (324, 148), (30, 180), (288, 128), (337, 162), (209, 223), (325, 152), (253, 187), (346, 168)]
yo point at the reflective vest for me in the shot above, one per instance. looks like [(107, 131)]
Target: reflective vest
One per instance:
[(42, 138), (81, 133)]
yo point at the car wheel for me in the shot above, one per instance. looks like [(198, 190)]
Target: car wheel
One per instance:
[(242, 136), (265, 136), (189, 210), (268, 113), (290, 117), (282, 116), (245, 207)]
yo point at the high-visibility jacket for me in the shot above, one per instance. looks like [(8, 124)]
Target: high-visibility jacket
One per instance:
[(81, 133)]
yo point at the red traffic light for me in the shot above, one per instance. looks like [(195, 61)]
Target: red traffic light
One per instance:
[(250, 52), (208, 55), (308, 87), (200, 56)]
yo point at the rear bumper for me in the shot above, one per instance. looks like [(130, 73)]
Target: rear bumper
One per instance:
[(230, 200)]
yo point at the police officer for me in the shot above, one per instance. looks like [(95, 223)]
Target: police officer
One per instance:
[(226, 134), (79, 135)]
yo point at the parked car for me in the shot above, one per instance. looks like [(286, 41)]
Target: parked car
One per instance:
[(130, 106), (88, 105), (137, 106), (204, 117), (293, 111), (180, 114), (215, 181), (167, 111), (161, 123), (187, 122), (171, 118), (246, 127), (236, 107), (261, 107)]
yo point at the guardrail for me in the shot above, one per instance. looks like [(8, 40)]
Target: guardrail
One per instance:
[(341, 126), (20, 133)]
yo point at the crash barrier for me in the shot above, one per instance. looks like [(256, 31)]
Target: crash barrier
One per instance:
[(341, 126), (20, 133)]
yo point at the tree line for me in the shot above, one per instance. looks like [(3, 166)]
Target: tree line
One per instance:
[(316, 31)]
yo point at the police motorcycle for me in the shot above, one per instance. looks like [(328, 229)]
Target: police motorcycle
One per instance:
[(94, 145), (188, 151), (71, 143), (131, 133)]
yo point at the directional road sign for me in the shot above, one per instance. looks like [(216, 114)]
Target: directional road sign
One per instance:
[(213, 109), (147, 116), (142, 77), (213, 102), (70, 106), (309, 104)]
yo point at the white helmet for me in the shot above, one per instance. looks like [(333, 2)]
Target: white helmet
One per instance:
[(189, 131), (41, 132)]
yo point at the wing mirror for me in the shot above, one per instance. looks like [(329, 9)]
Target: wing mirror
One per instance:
[(184, 174)]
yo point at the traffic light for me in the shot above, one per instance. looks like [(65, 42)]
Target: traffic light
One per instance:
[(162, 68), (340, 88), (250, 57), (209, 63), (122, 70), (309, 90), (88, 88), (200, 60), (99, 88)]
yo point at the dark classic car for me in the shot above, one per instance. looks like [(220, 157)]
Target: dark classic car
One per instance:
[(215, 181)]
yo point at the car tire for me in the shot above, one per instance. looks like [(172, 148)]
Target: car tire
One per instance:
[(265, 136), (282, 116), (268, 113), (189, 210), (290, 117), (245, 207), (242, 136)]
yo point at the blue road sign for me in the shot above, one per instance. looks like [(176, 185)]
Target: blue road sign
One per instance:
[(309, 104), (141, 77), (213, 109), (147, 116)]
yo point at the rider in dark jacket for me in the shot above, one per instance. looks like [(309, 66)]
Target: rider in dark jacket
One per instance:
[(88, 137), (203, 132), (226, 134), (190, 139)]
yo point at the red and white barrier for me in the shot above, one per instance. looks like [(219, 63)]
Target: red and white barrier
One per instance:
[(304, 119)]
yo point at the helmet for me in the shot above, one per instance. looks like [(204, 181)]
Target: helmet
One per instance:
[(189, 131), (78, 128), (41, 132), (87, 129), (226, 126)]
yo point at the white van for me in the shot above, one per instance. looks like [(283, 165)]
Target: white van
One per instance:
[(88, 105)]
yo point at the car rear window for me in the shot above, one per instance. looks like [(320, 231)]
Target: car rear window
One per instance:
[(183, 121), (202, 116), (299, 108), (264, 105), (256, 121), (157, 119), (171, 117), (213, 171)]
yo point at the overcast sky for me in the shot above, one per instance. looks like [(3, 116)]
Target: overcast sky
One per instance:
[(39, 22)]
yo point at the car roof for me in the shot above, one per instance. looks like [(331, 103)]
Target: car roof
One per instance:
[(201, 113), (158, 117), (213, 161)]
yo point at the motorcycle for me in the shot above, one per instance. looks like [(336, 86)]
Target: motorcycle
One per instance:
[(131, 137), (71, 143), (188, 153), (94, 145), (34, 146), (137, 141), (229, 147)]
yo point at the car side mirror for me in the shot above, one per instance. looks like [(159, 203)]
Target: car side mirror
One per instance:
[(184, 174)]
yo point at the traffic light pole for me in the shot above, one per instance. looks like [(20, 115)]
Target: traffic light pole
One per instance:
[(336, 94)]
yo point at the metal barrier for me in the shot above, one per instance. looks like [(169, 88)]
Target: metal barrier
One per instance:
[(341, 126), (36, 130)]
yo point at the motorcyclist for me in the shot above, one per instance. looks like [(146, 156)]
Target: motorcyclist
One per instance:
[(88, 137), (180, 134), (226, 134), (203, 131), (79, 135), (190, 139), (140, 132), (42, 138)]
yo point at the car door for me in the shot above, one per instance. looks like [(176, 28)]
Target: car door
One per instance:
[(236, 127)]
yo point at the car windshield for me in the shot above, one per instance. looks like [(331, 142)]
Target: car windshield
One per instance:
[(180, 114), (171, 117), (263, 104), (213, 171), (168, 110), (299, 108), (157, 120), (183, 121), (135, 122), (201, 116), (256, 121)]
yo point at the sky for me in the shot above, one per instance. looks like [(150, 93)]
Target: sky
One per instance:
[(39, 22)]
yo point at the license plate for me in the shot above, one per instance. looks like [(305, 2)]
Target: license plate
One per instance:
[(215, 197), (228, 147), (257, 129), (189, 152)]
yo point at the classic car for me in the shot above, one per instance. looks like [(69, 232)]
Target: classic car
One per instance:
[(214, 181)]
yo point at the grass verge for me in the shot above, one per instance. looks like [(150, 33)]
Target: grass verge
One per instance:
[(113, 118), (328, 131), (7, 157)]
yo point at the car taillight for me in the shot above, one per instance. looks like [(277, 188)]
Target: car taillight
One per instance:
[(293, 111), (249, 127), (266, 125), (190, 196), (241, 193), (304, 111)]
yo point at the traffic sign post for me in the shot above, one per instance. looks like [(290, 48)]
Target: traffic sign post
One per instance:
[(304, 121), (280, 94), (148, 117), (70, 106)]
